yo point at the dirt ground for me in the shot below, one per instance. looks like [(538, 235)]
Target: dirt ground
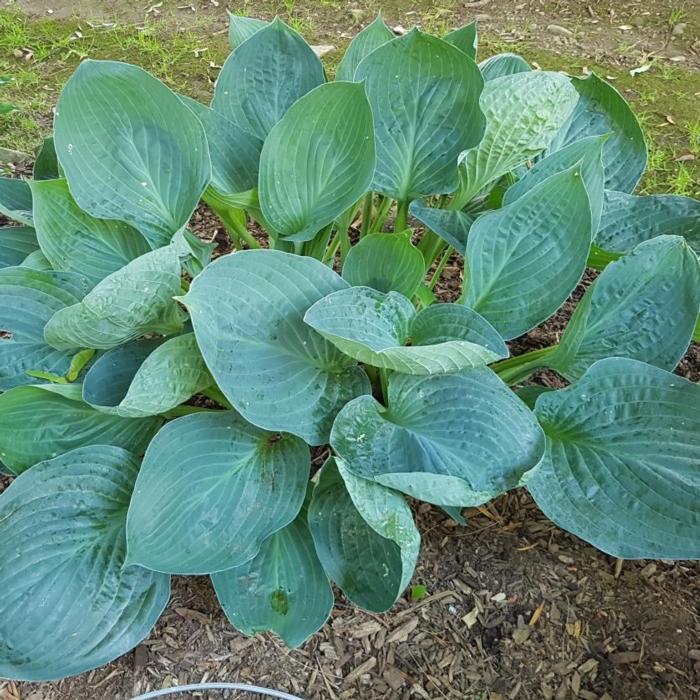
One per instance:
[(515, 607)]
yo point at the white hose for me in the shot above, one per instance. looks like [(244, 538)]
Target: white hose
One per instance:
[(217, 686)]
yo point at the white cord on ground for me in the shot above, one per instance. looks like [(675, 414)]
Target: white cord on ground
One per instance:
[(217, 686)]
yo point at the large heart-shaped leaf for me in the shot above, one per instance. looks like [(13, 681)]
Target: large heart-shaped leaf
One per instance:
[(523, 113), (146, 377), (451, 439), (235, 152), (503, 64), (248, 315), (241, 28), (42, 421), (601, 109), (28, 299), (628, 220), (365, 537), (425, 99), (16, 243), (211, 490), (130, 149), (16, 200), (317, 161), (282, 589), (525, 259), (370, 38), (621, 466), (264, 77), (134, 300), (74, 241), (588, 153), (384, 330), (451, 225), (643, 306), (69, 603)]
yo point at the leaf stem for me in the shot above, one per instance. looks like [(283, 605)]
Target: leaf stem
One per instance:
[(366, 215), (382, 211), (517, 369), (234, 226), (329, 257), (440, 267), (401, 222)]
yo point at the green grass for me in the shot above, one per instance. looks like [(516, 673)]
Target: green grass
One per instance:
[(57, 46)]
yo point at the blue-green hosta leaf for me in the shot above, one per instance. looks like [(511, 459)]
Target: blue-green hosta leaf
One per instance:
[(264, 77), (370, 38), (137, 154), (386, 262), (384, 330), (601, 109), (134, 300), (28, 299), (628, 220), (451, 225), (211, 490), (74, 241), (248, 311), (36, 260), (503, 64), (234, 152), (643, 306), (16, 242), (525, 259), (241, 28), (317, 161), (523, 112), (16, 200), (146, 377), (621, 466), (450, 439), (425, 99), (46, 165), (588, 152), (39, 423), (466, 39), (365, 537), (69, 604), (283, 589)]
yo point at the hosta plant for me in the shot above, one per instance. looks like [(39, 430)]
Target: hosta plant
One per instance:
[(160, 410)]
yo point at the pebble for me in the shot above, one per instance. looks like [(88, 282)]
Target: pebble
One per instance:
[(322, 49), (679, 28), (558, 30)]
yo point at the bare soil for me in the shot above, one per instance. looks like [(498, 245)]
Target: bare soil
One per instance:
[(516, 608)]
